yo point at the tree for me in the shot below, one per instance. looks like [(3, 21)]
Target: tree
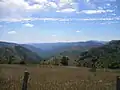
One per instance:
[(64, 60), (78, 62), (56, 61), (11, 59), (94, 60)]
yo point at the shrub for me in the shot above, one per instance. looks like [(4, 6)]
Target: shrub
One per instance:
[(22, 62), (64, 61)]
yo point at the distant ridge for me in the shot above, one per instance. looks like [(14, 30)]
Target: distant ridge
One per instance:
[(47, 50)]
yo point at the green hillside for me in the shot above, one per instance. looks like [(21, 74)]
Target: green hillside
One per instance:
[(73, 52), (16, 54), (34, 53), (106, 56)]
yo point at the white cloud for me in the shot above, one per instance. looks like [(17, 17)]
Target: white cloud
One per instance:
[(29, 25), (17, 9), (95, 11), (110, 22), (78, 31), (113, 14), (12, 32), (108, 4), (12, 8), (52, 4), (34, 7), (67, 10), (53, 35), (39, 1), (59, 19), (22, 8)]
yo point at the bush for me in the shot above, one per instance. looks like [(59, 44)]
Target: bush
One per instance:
[(22, 62), (64, 61), (114, 65)]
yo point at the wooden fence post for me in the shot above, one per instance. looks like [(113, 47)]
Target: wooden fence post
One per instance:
[(118, 83), (25, 80)]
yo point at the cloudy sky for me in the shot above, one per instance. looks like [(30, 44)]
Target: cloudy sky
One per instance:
[(28, 21)]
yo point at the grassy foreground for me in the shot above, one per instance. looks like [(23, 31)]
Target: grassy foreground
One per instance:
[(56, 78)]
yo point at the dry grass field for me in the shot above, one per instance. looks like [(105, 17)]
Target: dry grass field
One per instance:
[(56, 78)]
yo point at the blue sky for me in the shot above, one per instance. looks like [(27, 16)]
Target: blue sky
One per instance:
[(37, 21)]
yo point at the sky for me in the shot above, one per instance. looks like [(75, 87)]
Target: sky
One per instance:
[(41, 21)]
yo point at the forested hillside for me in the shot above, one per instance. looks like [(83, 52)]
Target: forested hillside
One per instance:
[(107, 56), (14, 53)]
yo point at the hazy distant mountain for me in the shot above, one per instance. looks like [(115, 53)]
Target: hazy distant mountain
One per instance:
[(51, 46), (32, 48), (5, 44), (52, 49)]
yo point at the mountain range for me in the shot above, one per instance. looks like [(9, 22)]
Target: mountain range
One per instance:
[(34, 52), (52, 49)]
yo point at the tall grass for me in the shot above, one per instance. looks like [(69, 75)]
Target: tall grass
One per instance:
[(2, 80), (57, 78)]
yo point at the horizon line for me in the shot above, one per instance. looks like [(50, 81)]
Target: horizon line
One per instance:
[(55, 42)]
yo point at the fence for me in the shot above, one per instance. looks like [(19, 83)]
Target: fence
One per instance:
[(25, 80), (118, 83)]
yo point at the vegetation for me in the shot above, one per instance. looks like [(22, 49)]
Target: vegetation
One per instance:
[(107, 56), (57, 78), (64, 60), (55, 61), (14, 54), (87, 54), (48, 75)]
